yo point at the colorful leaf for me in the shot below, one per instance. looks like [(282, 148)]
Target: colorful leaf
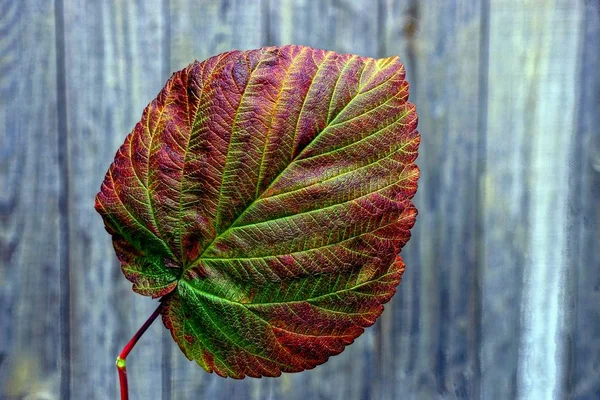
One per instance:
[(266, 195)]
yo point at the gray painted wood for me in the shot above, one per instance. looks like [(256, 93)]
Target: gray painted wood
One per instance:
[(33, 330), (501, 294), (541, 370), (584, 226), (504, 180), (531, 118), (441, 289), (113, 67)]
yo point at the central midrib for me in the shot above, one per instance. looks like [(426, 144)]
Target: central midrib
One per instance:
[(316, 298), (220, 235)]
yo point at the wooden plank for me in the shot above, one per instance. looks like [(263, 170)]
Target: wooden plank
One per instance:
[(506, 196), (430, 334), (114, 65), (30, 293), (32, 329), (529, 116), (198, 30), (542, 357), (584, 226), (344, 26)]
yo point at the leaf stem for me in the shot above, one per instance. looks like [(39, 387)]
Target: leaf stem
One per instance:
[(127, 349)]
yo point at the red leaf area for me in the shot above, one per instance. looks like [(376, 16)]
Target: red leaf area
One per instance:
[(266, 194)]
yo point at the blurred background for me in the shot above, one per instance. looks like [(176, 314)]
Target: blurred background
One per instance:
[(501, 295)]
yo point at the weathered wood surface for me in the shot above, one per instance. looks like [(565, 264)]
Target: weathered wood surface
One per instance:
[(501, 296), (114, 64), (532, 110), (583, 250), (34, 329)]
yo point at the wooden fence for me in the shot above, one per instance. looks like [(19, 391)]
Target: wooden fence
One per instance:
[(501, 297)]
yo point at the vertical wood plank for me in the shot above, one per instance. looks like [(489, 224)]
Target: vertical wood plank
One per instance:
[(198, 30), (114, 67), (530, 119), (429, 345), (505, 201), (400, 342), (32, 335), (341, 25), (542, 355), (584, 227)]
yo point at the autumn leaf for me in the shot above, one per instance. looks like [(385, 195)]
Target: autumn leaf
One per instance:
[(265, 196)]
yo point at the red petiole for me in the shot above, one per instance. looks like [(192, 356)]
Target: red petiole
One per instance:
[(127, 349)]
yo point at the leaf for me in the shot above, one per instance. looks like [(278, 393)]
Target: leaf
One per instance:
[(266, 195)]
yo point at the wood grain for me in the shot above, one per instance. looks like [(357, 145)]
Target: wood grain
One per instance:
[(441, 281), (113, 68), (541, 370), (34, 336), (583, 365), (525, 200)]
